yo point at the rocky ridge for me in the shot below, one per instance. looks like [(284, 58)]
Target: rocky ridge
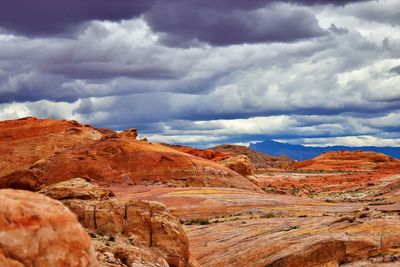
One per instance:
[(55, 151)]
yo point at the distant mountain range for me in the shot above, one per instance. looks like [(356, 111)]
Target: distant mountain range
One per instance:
[(299, 152)]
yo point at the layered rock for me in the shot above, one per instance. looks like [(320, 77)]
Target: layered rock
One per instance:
[(26, 141), (38, 231), (296, 242), (350, 161)]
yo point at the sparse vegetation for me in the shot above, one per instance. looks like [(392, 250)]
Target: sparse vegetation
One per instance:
[(197, 221), (268, 215)]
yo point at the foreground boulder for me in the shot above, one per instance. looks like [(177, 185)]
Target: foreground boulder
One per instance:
[(131, 232), (38, 231)]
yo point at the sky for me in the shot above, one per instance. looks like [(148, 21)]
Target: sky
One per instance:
[(206, 72)]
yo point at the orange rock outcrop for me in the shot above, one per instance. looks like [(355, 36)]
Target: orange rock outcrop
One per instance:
[(349, 161), (150, 229), (41, 152), (38, 231)]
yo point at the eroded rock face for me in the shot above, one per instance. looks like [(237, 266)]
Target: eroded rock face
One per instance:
[(38, 231), (142, 231), (150, 222)]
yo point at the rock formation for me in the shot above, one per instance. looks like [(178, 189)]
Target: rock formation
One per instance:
[(26, 141), (151, 231), (55, 151), (240, 164), (349, 161), (38, 231), (201, 153), (260, 161)]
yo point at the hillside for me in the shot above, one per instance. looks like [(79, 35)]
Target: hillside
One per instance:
[(38, 152), (259, 160)]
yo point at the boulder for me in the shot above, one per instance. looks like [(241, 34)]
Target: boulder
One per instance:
[(36, 230), (240, 164)]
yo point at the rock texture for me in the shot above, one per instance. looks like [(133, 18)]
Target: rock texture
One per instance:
[(42, 152), (260, 161), (227, 227), (240, 164), (201, 153), (350, 161), (76, 188), (296, 242), (38, 231), (26, 141), (138, 232)]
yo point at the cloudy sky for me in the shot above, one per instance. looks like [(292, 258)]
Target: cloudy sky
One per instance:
[(205, 72)]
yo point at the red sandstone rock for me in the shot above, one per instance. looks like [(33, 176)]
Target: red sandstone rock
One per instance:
[(205, 154), (38, 231), (26, 141), (130, 133), (349, 161), (55, 151)]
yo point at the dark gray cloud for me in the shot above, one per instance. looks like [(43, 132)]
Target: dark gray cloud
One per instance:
[(42, 17), (274, 23), (337, 29), (395, 70), (181, 20)]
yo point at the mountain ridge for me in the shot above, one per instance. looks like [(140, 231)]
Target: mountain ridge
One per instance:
[(300, 152)]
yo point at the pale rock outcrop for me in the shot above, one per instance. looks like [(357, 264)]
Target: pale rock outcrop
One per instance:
[(240, 164), (76, 188)]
